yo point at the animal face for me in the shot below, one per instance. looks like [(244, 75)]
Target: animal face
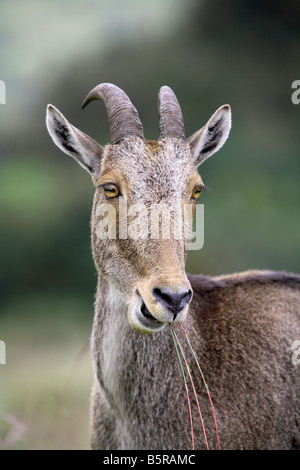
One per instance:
[(154, 184)]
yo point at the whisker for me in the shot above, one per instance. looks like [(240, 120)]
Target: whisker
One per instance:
[(205, 384), (194, 390), (186, 388)]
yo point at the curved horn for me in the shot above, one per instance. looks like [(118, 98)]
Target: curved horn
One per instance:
[(122, 116), (170, 115)]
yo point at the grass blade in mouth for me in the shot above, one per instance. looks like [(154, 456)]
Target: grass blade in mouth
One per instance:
[(186, 388), (205, 384), (193, 387)]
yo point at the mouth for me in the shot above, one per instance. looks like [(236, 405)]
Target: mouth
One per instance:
[(141, 319), (147, 314)]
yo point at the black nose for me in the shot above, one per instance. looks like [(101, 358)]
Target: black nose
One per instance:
[(174, 301)]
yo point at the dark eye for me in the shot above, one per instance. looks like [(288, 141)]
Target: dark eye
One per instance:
[(196, 193), (111, 191)]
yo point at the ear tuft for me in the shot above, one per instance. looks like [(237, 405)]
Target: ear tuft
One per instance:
[(212, 136)]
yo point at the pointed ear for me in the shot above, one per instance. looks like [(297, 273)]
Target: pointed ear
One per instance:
[(212, 136), (72, 141)]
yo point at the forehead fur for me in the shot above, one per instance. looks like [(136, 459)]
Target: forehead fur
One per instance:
[(153, 170)]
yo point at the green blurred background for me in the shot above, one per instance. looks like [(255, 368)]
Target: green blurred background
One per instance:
[(211, 52)]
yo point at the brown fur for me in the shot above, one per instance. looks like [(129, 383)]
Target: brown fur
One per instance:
[(242, 326), (153, 145)]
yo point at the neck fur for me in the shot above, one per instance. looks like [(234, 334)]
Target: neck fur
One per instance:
[(123, 358)]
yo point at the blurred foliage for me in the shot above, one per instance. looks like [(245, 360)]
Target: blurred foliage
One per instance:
[(210, 52), (45, 384)]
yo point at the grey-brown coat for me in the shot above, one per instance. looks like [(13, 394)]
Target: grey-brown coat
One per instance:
[(242, 326)]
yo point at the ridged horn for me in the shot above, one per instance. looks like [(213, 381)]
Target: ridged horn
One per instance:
[(123, 117), (170, 115)]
